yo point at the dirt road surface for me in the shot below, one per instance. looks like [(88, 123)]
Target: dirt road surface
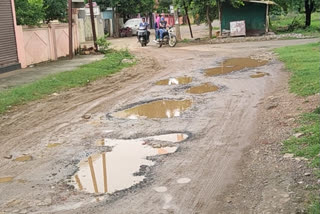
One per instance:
[(197, 178)]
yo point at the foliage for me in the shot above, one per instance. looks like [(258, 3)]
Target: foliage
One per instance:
[(65, 80), (303, 62), (29, 12), (128, 7), (103, 44), (55, 10), (164, 6)]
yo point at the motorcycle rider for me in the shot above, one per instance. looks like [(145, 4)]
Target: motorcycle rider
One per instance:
[(162, 27), (145, 25)]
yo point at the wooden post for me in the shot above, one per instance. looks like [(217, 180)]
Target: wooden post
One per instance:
[(93, 25), (267, 19), (70, 29)]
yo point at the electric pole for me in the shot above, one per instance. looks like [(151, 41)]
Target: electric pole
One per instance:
[(70, 29), (93, 26)]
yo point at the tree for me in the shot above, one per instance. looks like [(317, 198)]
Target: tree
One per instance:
[(297, 5), (164, 6), (55, 10), (185, 4), (29, 12)]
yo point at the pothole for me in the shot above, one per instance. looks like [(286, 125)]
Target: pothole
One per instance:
[(201, 89), (173, 138), (175, 81), (123, 167), (259, 75), (6, 179), (24, 158), (155, 109), (234, 64)]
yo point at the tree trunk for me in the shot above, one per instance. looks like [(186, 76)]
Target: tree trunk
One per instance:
[(186, 10), (309, 6), (209, 22)]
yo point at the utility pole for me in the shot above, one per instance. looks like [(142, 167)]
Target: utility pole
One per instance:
[(70, 29), (93, 25), (177, 24)]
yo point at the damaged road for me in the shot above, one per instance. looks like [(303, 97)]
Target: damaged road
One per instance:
[(45, 143)]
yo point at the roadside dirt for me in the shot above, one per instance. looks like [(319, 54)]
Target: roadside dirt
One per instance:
[(226, 128)]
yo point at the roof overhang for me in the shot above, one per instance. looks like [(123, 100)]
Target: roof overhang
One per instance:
[(261, 2)]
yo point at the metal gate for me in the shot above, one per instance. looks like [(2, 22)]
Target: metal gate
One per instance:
[(8, 46)]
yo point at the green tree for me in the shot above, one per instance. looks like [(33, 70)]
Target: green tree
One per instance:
[(164, 6), (55, 10), (29, 12)]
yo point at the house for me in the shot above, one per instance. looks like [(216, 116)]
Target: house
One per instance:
[(8, 44), (255, 14)]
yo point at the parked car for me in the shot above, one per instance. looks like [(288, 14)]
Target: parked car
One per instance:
[(133, 24)]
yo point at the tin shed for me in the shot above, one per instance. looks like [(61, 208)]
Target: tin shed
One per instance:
[(254, 13)]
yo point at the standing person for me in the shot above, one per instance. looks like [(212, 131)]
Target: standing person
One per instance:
[(162, 27)]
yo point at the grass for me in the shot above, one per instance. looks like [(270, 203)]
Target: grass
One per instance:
[(294, 23), (303, 62), (65, 80), (308, 145)]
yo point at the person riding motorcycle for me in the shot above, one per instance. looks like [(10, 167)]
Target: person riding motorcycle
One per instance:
[(162, 28), (145, 25)]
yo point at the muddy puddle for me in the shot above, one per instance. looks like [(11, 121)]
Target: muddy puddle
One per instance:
[(173, 138), (155, 109), (234, 64), (24, 158), (6, 179), (119, 169), (201, 89), (175, 81), (259, 75)]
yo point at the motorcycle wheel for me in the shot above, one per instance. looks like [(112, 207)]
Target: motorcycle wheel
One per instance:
[(173, 41)]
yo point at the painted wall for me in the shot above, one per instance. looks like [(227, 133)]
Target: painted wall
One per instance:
[(45, 43)]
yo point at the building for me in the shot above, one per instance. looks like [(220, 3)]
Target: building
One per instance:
[(254, 13), (8, 44)]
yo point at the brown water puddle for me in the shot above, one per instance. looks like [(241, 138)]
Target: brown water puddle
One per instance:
[(174, 138), (24, 158), (6, 179), (156, 109), (235, 64), (201, 89), (112, 171), (53, 145), (175, 81), (259, 75)]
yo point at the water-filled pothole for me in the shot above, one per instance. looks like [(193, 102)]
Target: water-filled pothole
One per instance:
[(175, 81), (122, 167), (155, 109), (6, 179), (201, 89), (234, 64), (24, 158), (259, 75)]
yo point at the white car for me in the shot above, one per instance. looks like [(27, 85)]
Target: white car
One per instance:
[(133, 24)]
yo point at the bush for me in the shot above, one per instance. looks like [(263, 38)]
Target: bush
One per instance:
[(29, 12), (103, 44)]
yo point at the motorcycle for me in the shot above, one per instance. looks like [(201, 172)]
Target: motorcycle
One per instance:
[(168, 38), (143, 36)]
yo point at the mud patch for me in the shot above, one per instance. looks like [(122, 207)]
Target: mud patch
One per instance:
[(155, 109), (259, 75), (6, 179), (234, 64), (116, 170), (201, 89), (175, 81), (24, 158)]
